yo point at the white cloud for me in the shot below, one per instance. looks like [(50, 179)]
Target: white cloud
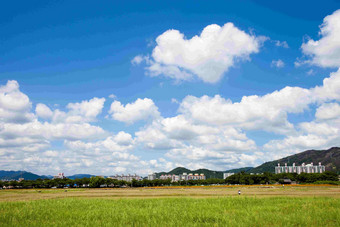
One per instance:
[(122, 142), (330, 89), (14, 105), (207, 56), (173, 100), (328, 111), (86, 110), (112, 96), (277, 63), (283, 44), (141, 109), (325, 52), (137, 60), (268, 112), (43, 111)]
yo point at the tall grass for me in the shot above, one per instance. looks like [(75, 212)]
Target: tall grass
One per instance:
[(226, 211)]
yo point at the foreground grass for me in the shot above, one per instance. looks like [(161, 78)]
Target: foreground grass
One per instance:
[(226, 211)]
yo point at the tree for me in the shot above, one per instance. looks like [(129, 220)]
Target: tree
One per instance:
[(95, 182)]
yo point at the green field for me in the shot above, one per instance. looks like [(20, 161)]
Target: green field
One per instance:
[(307, 206)]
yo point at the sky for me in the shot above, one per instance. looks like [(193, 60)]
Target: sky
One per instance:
[(118, 87)]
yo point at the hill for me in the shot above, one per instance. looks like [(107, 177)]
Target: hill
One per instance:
[(329, 158), (244, 169), (208, 173), (15, 175)]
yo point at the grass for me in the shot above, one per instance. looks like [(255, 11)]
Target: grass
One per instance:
[(230, 211), (205, 206)]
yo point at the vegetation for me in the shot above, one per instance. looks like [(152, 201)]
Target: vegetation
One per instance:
[(208, 173), (270, 178), (226, 211), (15, 175), (239, 178), (244, 169)]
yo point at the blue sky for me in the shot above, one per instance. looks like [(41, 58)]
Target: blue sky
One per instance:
[(125, 87)]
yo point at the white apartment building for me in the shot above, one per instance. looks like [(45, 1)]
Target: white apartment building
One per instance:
[(309, 168), (152, 176), (128, 177), (59, 176), (225, 175), (184, 176)]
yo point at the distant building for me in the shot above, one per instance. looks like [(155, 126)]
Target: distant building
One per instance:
[(309, 168), (59, 176), (128, 177), (225, 175), (183, 177), (21, 179), (152, 176)]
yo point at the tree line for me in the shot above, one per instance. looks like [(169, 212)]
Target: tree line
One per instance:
[(239, 178)]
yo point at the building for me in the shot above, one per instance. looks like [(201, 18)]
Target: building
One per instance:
[(196, 176), (225, 175), (152, 176), (59, 176), (183, 177), (127, 178), (309, 168)]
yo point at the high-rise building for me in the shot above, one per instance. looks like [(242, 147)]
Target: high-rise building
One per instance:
[(152, 176), (309, 168)]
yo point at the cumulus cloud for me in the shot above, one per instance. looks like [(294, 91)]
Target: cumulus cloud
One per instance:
[(15, 106), (328, 111), (268, 112), (43, 111), (24, 137), (141, 109), (330, 88), (85, 110), (121, 142), (207, 56), (325, 52), (277, 63)]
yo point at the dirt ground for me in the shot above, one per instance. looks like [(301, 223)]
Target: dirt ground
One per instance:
[(160, 192)]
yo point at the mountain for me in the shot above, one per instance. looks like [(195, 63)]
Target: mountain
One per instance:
[(244, 169), (15, 175), (329, 158), (79, 176), (208, 173)]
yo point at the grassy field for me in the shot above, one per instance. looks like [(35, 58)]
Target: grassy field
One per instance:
[(195, 206)]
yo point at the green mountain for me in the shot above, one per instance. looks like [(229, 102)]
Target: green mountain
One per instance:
[(244, 169), (15, 175), (208, 173), (329, 158)]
